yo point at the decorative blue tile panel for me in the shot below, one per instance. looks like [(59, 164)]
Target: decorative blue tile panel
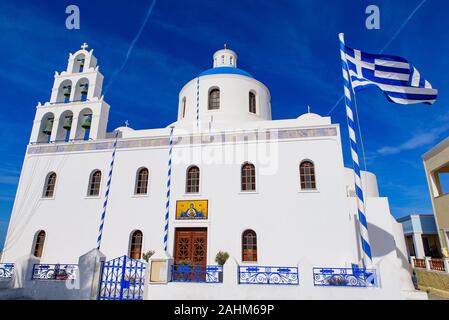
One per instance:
[(345, 277), (268, 275), (189, 139), (6, 271), (54, 271), (197, 273)]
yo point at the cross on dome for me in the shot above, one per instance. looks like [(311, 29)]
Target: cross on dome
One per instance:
[(84, 46)]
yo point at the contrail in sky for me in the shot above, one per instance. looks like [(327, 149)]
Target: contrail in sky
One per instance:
[(403, 25), (131, 47), (406, 21)]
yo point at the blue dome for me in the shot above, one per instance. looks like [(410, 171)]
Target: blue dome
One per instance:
[(226, 70)]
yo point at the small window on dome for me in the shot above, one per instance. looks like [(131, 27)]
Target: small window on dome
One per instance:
[(214, 99), (252, 102), (184, 107)]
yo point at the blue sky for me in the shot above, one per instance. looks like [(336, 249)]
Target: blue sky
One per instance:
[(291, 46)]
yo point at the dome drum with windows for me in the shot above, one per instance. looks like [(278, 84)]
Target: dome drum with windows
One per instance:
[(223, 95)]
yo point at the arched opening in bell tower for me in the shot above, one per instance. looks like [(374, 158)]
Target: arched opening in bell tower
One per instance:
[(64, 126), (83, 128), (64, 92), (78, 63), (82, 89), (46, 128)]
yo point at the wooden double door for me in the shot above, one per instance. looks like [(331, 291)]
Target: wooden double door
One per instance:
[(191, 246)]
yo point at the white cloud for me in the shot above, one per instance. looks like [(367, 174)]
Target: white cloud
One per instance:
[(416, 141)]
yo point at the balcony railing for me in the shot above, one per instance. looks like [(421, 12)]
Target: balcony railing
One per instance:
[(268, 275), (54, 271), (437, 264), (419, 263), (197, 273), (346, 277), (6, 271)]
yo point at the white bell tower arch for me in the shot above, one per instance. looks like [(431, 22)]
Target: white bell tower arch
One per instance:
[(76, 110)]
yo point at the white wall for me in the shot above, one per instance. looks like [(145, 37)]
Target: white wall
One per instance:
[(294, 228)]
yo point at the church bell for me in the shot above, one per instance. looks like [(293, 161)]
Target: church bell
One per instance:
[(48, 127), (84, 88), (68, 122), (87, 121), (66, 90)]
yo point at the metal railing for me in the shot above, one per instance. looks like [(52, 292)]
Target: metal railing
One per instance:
[(54, 271), (268, 275), (197, 273), (437, 264), (6, 271), (419, 263), (346, 277)]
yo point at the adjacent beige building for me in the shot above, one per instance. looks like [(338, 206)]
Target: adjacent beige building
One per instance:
[(436, 164)]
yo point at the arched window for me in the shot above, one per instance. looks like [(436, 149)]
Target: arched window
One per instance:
[(249, 246), (252, 102), (193, 180), (184, 101), (135, 248), (50, 184), (142, 181), (214, 99), (94, 183), (39, 244), (307, 175), (248, 177)]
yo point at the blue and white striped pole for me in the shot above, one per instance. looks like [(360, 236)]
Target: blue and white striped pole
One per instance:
[(108, 186), (364, 239), (198, 103), (167, 204)]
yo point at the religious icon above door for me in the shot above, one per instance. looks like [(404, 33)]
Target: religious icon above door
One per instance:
[(191, 209)]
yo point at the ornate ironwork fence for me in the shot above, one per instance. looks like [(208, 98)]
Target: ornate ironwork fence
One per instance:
[(197, 273), (346, 277), (268, 275), (6, 271), (122, 278), (54, 271)]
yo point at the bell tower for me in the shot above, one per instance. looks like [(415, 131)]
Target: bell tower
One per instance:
[(76, 110)]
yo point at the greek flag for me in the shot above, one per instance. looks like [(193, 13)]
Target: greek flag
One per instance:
[(395, 76)]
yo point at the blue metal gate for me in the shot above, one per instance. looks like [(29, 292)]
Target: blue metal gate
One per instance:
[(122, 278)]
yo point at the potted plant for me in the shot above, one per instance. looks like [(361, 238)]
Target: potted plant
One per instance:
[(147, 255), (221, 258)]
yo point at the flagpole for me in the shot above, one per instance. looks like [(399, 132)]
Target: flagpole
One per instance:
[(167, 202), (106, 197), (364, 239)]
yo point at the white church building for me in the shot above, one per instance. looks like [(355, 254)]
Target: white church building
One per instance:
[(272, 194)]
